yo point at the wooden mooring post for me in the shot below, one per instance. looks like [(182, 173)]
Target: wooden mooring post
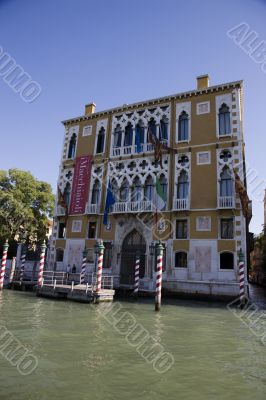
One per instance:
[(159, 275), (3, 265), (41, 265)]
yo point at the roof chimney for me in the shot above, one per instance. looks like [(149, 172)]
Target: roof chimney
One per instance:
[(203, 81), (89, 108)]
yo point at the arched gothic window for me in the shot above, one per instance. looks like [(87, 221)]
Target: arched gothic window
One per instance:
[(128, 135), (163, 182), (164, 129), (117, 136), (136, 193), (66, 193), (183, 126), (95, 195), (140, 133), (182, 186), (124, 192), (115, 188), (226, 183), (224, 120), (100, 141), (72, 146), (152, 127), (149, 189)]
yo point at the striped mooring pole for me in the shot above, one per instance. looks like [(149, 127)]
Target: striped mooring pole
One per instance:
[(136, 280), (241, 265), (12, 271), (99, 266), (159, 275), (3, 265), (41, 265), (22, 267), (83, 267)]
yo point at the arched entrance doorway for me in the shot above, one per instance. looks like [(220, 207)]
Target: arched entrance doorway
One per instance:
[(132, 243)]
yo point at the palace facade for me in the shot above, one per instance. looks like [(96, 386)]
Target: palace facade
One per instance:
[(201, 226)]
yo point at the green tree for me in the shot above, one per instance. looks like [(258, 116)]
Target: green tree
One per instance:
[(26, 205)]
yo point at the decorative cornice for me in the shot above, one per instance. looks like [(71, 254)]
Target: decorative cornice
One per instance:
[(152, 102)]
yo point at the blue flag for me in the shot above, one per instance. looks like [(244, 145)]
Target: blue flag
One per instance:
[(138, 143), (110, 200)]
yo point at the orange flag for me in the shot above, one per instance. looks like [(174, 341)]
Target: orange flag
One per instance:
[(244, 199), (61, 200)]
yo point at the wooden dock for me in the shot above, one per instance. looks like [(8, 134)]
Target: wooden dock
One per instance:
[(59, 285), (81, 293)]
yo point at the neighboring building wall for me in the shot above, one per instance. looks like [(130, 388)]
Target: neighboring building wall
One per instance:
[(257, 256)]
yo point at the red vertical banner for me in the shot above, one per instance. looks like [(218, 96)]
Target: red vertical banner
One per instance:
[(80, 187)]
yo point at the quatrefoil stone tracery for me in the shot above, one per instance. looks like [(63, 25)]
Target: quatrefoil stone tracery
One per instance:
[(182, 164), (224, 161), (141, 115), (130, 170)]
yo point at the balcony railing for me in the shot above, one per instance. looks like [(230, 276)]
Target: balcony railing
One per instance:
[(181, 204), (92, 208), (226, 202), (59, 211), (127, 150), (133, 206)]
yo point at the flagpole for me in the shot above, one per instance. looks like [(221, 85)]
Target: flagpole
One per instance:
[(100, 227), (100, 223), (156, 205)]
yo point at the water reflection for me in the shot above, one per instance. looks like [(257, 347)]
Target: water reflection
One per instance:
[(158, 326)]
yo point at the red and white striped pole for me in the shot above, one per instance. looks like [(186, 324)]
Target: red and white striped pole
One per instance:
[(41, 265), (83, 267), (99, 266), (22, 267), (3, 265), (12, 271), (159, 276), (241, 266), (136, 280)]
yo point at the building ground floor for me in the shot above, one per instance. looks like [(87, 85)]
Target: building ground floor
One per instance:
[(195, 265)]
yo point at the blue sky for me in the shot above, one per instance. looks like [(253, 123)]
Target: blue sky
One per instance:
[(116, 52)]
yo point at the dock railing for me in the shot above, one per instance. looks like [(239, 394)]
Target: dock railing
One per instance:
[(69, 278), (107, 281), (50, 277), (65, 278)]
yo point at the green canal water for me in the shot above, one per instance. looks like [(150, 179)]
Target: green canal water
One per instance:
[(82, 355)]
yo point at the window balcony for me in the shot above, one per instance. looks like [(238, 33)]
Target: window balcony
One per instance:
[(226, 202), (128, 150), (133, 207), (92, 208), (181, 204), (59, 211)]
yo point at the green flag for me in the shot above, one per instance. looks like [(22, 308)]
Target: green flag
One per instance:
[(159, 196)]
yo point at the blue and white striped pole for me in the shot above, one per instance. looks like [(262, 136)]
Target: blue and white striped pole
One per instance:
[(83, 267), (22, 266)]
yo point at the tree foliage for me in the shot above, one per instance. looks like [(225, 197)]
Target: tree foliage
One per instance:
[(26, 205)]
